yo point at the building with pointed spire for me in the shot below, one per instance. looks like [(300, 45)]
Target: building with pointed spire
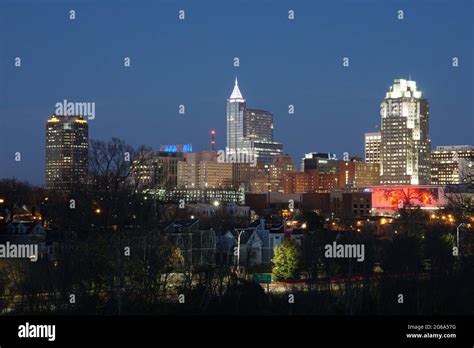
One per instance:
[(250, 130), (236, 110)]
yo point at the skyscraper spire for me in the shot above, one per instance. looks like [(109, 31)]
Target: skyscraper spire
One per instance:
[(236, 95)]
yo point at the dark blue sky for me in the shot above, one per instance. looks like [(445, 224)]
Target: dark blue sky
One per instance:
[(191, 62)]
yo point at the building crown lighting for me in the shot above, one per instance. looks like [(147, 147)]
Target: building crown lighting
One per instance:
[(403, 88), (236, 96)]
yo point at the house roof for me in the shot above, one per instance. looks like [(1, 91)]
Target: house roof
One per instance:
[(178, 226), (254, 224), (225, 242), (33, 227)]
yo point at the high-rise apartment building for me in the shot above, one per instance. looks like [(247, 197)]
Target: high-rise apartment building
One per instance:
[(372, 147), (405, 142), (67, 152), (452, 165)]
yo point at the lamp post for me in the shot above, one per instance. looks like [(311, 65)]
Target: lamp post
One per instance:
[(457, 235), (238, 249)]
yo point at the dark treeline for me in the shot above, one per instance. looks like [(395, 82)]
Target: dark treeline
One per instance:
[(95, 276)]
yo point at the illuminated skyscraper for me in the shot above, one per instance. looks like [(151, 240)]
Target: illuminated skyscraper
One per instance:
[(250, 131), (372, 147), (236, 110), (405, 141), (67, 146)]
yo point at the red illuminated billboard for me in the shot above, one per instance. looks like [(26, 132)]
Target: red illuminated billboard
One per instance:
[(388, 199)]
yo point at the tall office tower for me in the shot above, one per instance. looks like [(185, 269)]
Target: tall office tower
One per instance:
[(372, 147), (236, 111), (250, 131), (405, 142), (258, 125), (452, 165), (67, 157)]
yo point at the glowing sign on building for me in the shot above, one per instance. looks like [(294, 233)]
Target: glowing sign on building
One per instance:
[(388, 199), (177, 148)]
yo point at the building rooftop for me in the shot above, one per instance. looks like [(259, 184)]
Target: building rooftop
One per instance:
[(236, 96), (403, 88)]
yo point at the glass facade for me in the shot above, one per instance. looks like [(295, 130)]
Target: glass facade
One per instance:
[(258, 125)]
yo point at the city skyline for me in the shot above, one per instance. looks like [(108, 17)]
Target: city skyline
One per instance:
[(328, 98), (246, 111), (220, 159)]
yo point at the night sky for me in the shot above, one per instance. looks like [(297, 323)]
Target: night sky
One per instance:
[(190, 62)]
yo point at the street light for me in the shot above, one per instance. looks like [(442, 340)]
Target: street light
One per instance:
[(238, 249), (457, 235), (2, 201)]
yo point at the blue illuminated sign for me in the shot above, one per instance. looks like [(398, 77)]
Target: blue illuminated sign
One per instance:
[(177, 148)]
